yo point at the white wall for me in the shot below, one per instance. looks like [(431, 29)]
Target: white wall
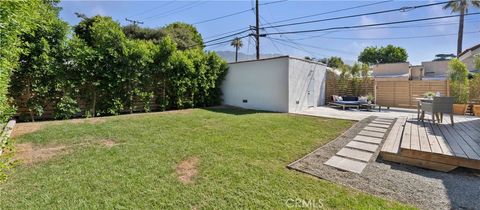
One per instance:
[(468, 59), (301, 73), (388, 69), (263, 83), (436, 69)]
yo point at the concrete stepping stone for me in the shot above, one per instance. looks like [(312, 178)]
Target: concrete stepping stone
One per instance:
[(381, 122), (362, 146), (368, 139), (355, 154), (384, 119), (379, 125), (381, 130), (346, 164), (372, 134)]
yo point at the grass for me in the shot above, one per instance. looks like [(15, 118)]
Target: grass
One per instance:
[(242, 164)]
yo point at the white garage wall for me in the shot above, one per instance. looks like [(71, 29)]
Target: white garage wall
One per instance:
[(301, 74), (263, 83)]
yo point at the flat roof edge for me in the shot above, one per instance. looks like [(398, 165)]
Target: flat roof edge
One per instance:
[(279, 57)]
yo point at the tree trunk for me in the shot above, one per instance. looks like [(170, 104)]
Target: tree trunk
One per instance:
[(236, 54), (94, 102), (460, 32)]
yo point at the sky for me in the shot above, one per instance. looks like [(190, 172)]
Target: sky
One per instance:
[(422, 40)]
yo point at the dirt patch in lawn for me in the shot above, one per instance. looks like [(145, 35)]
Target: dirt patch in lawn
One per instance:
[(30, 154), (25, 128), (108, 143), (187, 170)]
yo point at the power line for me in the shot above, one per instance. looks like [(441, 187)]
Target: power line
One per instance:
[(405, 37), (227, 36), (177, 10), (402, 9), (368, 25), (313, 54), (224, 41), (330, 12), (224, 16), (272, 2), (135, 22), (229, 32), (151, 9), (312, 46), (385, 27)]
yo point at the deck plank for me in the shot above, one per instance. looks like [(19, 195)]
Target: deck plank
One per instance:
[(432, 140), (446, 149), (457, 150), (462, 142), (423, 139), (407, 135), (469, 139), (415, 143)]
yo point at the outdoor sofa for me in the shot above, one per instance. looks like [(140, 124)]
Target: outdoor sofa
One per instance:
[(347, 102)]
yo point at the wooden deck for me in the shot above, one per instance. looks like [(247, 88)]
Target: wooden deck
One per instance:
[(440, 146)]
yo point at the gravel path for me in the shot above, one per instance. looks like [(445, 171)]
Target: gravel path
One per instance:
[(426, 189)]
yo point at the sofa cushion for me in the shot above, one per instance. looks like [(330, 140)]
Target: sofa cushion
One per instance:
[(350, 98)]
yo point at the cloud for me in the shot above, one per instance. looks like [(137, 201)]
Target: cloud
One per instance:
[(438, 10), (98, 10), (373, 32)]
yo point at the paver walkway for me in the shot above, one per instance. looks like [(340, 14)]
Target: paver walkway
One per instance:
[(355, 156)]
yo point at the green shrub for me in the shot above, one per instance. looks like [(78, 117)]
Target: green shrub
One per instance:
[(66, 108), (458, 74)]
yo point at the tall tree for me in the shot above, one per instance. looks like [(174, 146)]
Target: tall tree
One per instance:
[(335, 62), (462, 7), (99, 47), (17, 18), (32, 84), (185, 35), (237, 43), (388, 54)]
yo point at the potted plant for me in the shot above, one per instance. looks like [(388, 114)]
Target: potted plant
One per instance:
[(458, 75), (475, 87), (370, 98), (429, 95)]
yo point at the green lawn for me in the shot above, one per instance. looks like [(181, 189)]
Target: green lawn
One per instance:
[(242, 164)]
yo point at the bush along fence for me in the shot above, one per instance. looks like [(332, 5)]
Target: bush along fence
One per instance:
[(99, 71), (5, 132)]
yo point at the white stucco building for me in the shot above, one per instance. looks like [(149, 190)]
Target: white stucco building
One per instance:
[(468, 57), (280, 84)]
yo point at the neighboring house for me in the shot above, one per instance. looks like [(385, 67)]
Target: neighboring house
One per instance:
[(391, 71), (280, 84), (468, 56), (435, 70)]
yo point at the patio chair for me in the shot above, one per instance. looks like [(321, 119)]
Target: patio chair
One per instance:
[(438, 106)]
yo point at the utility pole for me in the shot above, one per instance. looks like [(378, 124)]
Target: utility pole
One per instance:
[(257, 29), (135, 22)]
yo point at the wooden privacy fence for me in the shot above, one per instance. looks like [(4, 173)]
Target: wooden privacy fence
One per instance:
[(404, 93), (333, 87)]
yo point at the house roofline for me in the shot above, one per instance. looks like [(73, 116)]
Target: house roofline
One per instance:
[(469, 49), (280, 57)]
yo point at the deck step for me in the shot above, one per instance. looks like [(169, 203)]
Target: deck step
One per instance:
[(393, 141)]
